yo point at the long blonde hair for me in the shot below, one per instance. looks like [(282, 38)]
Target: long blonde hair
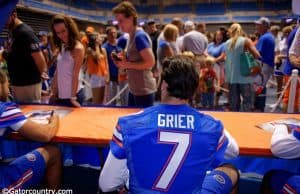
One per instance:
[(235, 31)]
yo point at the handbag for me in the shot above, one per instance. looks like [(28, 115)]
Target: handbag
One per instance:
[(248, 65)]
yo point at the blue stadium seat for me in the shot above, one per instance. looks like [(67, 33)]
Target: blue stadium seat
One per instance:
[(210, 9), (147, 9), (178, 8), (105, 5), (245, 18), (243, 6), (221, 19)]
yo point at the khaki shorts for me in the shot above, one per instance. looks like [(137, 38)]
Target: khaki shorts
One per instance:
[(27, 94)]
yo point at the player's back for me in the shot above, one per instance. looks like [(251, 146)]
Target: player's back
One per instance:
[(169, 148)]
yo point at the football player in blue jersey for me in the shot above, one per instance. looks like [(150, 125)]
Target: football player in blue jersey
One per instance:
[(168, 148), (29, 169), (285, 143)]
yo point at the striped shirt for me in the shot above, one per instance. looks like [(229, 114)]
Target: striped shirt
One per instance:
[(11, 117)]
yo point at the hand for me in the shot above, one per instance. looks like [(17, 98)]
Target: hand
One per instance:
[(118, 58), (75, 103), (156, 73), (54, 121), (45, 76), (54, 118)]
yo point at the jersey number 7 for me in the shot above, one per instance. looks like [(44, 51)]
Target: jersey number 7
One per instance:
[(182, 143)]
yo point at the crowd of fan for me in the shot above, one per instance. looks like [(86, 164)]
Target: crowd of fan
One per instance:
[(66, 67), (98, 78)]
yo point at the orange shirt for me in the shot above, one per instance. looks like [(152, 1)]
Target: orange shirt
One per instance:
[(100, 68)]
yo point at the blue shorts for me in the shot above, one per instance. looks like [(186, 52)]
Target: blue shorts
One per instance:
[(285, 182), (23, 172), (216, 182)]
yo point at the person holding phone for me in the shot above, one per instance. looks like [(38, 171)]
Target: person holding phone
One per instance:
[(139, 58)]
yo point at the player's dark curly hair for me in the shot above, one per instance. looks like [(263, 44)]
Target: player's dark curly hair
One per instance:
[(180, 74)]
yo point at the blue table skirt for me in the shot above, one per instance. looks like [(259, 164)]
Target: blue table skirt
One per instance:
[(72, 154), (89, 156)]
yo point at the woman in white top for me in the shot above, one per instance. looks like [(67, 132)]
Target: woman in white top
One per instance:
[(67, 88)]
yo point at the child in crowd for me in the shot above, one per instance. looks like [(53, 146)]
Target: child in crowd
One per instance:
[(208, 80), (258, 89)]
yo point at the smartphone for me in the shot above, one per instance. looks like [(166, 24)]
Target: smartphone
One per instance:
[(115, 56)]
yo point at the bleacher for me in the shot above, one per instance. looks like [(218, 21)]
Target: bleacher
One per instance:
[(71, 12), (105, 5), (243, 6), (147, 9), (210, 9), (83, 4), (178, 8), (224, 12), (278, 5)]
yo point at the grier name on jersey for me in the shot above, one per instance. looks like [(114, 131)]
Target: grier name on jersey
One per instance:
[(176, 121)]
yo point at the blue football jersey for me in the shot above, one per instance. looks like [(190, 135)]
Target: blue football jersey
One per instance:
[(292, 185), (168, 148), (11, 117)]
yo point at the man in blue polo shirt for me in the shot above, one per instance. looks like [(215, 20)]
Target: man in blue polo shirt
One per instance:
[(170, 147), (266, 48), (32, 168)]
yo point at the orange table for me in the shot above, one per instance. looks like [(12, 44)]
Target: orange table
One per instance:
[(94, 125)]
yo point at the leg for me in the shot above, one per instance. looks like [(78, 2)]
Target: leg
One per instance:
[(124, 96), (29, 169), (145, 101), (211, 100), (112, 91), (247, 94), (267, 72), (203, 100), (223, 179), (279, 79), (265, 187), (52, 157), (131, 100), (98, 95), (234, 97), (274, 181)]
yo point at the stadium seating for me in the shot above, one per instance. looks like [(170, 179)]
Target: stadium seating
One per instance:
[(210, 9), (243, 6), (178, 8), (202, 12)]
